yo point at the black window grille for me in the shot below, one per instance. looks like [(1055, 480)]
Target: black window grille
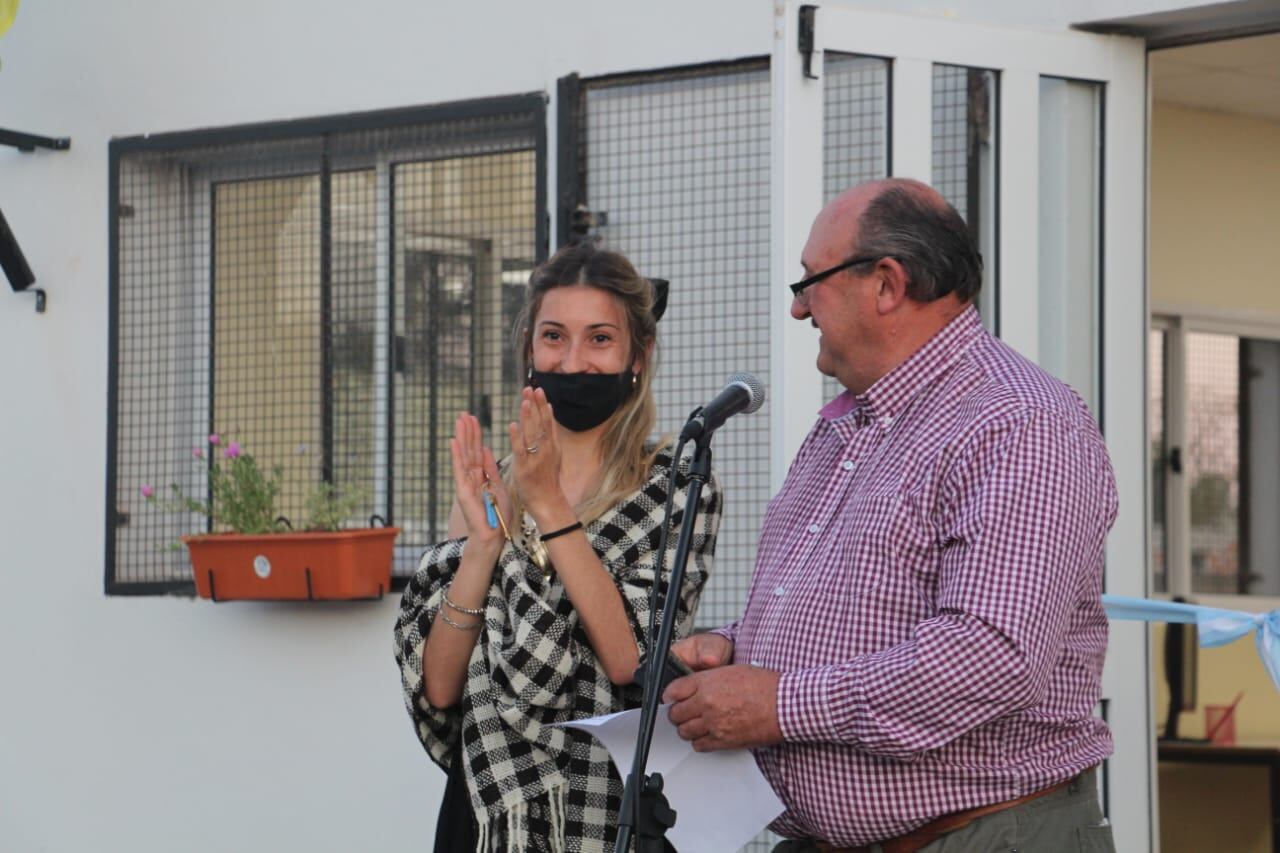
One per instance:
[(672, 168), (329, 293), (965, 163), (855, 132)]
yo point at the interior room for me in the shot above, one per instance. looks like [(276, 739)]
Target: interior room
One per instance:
[(1215, 308)]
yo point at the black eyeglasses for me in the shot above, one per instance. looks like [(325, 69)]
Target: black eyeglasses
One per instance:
[(800, 286)]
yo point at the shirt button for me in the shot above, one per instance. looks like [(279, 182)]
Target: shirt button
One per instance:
[(814, 528), (779, 591), (886, 422), (847, 464), (756, 663)]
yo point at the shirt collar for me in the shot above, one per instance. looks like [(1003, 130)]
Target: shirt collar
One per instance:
[(891, 393)]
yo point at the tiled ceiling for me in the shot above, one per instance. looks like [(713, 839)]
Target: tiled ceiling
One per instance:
[(1240, 76)]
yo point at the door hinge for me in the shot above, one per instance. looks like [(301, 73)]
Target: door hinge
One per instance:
[(807, 15)]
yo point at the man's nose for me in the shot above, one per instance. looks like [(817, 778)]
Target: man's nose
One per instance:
[(799, 307)]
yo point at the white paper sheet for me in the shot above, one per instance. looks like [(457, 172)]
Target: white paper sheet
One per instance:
[(722, 800)]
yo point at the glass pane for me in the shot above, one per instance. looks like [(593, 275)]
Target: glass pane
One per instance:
[(965, 161), (1212, 460), (855, 127), (1259, 464), (1159, 452), (855, 132), (463, 243), (357, 355), (267, 341), (1233, 452), (1070, 194), (681, 167)]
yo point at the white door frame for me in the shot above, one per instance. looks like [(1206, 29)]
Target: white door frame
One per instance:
[(1020, 56)]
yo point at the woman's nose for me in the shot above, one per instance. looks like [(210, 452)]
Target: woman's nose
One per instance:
[(573, 361)]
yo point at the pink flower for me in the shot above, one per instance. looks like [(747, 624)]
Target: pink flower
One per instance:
[(147, 491), (232, 451), (197, 452), (215, 439)]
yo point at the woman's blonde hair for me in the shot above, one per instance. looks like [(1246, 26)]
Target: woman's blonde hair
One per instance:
[(625, 456)]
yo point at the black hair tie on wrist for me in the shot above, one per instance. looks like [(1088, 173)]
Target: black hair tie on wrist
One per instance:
[(547, 537)]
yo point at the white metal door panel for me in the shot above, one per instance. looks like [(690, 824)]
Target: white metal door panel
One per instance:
[(1021, 57)]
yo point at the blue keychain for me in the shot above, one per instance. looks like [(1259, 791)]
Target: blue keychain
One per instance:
[(490, 510)]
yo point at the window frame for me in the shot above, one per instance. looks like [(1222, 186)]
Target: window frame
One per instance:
[(1178, 321), (206, 177)]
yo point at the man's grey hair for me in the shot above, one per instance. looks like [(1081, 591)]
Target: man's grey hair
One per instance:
[(929, 239)]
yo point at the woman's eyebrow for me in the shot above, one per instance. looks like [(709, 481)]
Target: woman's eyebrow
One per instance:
[(560, 325)]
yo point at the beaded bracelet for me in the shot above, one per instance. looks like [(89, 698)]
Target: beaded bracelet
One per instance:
[(547, 537), (479, 611)]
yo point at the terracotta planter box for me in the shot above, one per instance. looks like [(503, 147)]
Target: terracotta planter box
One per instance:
[(311, 566)]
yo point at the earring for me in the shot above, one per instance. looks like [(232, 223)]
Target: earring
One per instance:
[(528, 379), (635, 379)]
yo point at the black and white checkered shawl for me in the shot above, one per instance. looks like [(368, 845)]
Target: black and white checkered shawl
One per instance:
[(534, 786)]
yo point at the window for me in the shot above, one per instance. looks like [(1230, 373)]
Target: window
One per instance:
[(329, 293), (1070, 256), (1215, 443), (673, 165), (965, 162), (855, 133)]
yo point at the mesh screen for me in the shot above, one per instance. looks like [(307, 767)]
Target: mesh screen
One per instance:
[(1212, 460), (964, 162), (855, 132), (679, 163), (328, 301)]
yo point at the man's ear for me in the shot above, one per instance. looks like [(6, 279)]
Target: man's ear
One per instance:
[(892, 287)]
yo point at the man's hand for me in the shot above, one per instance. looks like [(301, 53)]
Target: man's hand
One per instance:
[(728, 707), (703, 651)]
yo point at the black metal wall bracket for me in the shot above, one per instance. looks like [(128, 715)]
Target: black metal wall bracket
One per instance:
[(11, 259), (15, 266), (31, 141), (807, 15), (213, 592)]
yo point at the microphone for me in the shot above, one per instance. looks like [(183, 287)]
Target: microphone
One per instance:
[(742, 393)]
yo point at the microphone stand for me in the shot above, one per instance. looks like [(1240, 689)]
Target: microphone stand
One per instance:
[(645, 812)]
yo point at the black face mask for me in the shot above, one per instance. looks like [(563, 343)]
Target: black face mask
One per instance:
[(583, 401)]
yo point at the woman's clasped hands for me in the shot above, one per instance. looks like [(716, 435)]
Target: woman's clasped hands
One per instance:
[(535, 458)]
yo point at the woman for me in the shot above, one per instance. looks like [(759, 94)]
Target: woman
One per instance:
[(536, 609)]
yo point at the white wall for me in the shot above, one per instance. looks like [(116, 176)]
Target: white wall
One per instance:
[(170, 724)]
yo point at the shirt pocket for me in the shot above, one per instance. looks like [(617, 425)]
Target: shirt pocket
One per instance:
[(880, 542)]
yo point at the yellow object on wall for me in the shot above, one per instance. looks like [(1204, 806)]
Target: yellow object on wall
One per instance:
[(8, 11)]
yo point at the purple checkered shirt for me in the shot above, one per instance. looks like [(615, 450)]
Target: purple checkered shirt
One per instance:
[(928, 583)]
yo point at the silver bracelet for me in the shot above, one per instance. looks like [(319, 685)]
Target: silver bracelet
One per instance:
[(479, 611), (459, 626)]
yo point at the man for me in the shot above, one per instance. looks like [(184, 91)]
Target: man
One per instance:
[(922, 648)]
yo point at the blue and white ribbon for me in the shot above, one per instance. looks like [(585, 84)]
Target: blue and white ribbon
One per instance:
[(1216, 627)]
